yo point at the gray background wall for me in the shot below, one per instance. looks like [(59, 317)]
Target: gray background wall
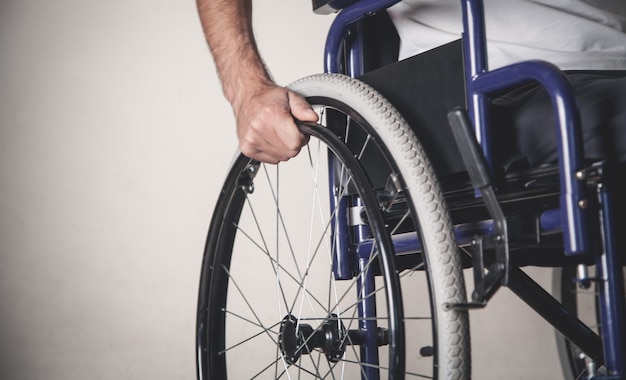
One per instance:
[(114, 139)]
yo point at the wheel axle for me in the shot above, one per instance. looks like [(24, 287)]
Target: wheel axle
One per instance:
[(331, 338)]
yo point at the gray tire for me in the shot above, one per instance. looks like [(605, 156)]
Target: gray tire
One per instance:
[(442, 270)]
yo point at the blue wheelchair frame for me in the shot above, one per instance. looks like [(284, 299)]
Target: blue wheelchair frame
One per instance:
[(572, 218)]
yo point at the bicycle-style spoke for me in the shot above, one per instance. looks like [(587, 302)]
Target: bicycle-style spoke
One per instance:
[(319, 240), (266, 249), (245, 299), (262, 371), (263, 330), (274, 189), (285, 313), (297, 281), (278, 265), (300, 274)]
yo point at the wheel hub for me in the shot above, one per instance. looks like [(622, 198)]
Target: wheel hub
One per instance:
[(297, 338)]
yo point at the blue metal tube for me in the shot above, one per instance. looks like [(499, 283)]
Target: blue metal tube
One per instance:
[(551, 221), (611, 288), (367, 316), (342, 269), (475, 52), (409, 242), (342, 266), (575, 234), (474, 38), (339, 29), (481, 83), (355, 59)]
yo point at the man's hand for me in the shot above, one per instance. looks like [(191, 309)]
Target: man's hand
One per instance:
[(264, 111), (265, 123)]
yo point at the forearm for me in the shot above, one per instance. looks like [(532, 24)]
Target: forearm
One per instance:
[(227, 26), (264, 111)]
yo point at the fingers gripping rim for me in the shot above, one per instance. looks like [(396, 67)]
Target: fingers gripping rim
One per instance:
[(453, 349)]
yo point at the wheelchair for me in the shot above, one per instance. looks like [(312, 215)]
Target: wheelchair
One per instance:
[(348, 261)]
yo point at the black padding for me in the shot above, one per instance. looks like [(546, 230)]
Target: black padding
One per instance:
[(381, 41), (424, 88)]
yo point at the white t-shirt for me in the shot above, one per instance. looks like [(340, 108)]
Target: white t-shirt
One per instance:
[(573, 34)]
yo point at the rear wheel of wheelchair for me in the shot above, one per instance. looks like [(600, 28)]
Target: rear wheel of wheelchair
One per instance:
[(279, 296)]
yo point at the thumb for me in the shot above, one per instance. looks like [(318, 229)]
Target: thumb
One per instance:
[(300, 109)]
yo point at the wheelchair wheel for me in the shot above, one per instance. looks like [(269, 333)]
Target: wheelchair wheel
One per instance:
[(584, 303), (300, 279), (575, 301)]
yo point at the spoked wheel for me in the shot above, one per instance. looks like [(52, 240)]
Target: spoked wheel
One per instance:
[(300, 279), (566, 290), (581, 301)]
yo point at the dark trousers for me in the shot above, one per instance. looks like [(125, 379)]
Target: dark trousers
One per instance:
[(524, 119), (524, 122)]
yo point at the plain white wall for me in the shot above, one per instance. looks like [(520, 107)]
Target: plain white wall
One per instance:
[(114, 139)]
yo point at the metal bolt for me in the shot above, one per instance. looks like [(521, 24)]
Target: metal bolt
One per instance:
[(583, 203)]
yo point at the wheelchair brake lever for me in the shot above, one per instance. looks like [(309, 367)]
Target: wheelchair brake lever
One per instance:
[(498, 272)]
